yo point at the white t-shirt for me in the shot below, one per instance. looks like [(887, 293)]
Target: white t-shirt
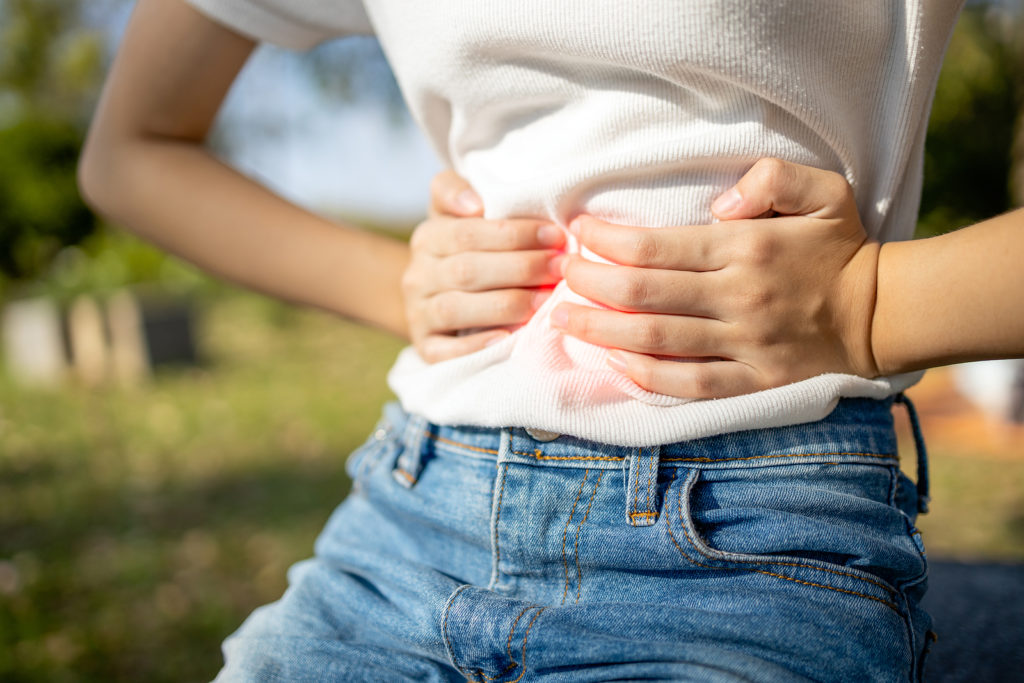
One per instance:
[(640, 113)]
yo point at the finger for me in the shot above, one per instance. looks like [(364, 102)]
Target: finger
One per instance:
[(447, 236), (453, 311), (663, 335), (479, 271), (676, 248), (438, 347), (451, 194), (646, 290), (785, 188), (712, 379)]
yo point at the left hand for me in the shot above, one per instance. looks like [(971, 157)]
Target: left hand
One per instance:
[(760, 302)]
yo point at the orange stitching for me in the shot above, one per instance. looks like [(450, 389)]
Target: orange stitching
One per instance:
[(508, 648), (635, 471), (643, 514), (539, 455), (460, 445), (565, 534), (525, 636), (783, 455), (412, 479), (780, 563), (651, 475), (444, 625), (579, 572), (497, 518), (668, 526)]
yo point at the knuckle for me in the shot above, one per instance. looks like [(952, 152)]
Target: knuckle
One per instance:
[(643, 248), (464, 236), (463, 272), (758, 248), (703, 382), (642, 372), (650, 336), (770, 170), (443, 312), (635, 291)]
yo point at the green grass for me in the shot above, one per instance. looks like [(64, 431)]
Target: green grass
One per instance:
[(138, 527)]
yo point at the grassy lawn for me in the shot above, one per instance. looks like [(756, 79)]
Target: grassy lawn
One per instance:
[(138, 527)]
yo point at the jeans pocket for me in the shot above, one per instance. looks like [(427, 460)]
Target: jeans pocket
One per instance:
[(823, 524), (382, 440)]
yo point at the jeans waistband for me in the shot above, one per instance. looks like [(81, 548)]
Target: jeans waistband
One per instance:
[(857, 428)]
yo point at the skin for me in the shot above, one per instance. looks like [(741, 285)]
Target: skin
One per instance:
[(786, 286), (144, 166)]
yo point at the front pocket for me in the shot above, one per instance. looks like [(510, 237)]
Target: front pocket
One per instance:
[(825, 524)]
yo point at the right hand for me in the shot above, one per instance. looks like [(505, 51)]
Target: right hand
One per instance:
[(471, 279)]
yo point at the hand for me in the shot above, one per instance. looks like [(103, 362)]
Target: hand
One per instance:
[(472, 275), (760, 303)]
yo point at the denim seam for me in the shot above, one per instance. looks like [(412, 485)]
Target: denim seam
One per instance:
[(576, 550), (737, 558), (514, 664), (444, 628), (888, 604), (508, 647), (538, 454), (651, 475), (565, 535), (496, 572)]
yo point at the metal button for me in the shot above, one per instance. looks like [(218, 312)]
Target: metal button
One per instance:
[(542, 434), (380, 434)]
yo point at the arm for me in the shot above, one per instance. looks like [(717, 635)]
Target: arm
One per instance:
[(144, 166)]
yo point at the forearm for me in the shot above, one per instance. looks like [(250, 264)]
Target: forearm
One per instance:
[(178, 196), (954, 298)]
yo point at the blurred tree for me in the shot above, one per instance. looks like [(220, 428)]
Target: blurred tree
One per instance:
[(979, 98), (50, 70)]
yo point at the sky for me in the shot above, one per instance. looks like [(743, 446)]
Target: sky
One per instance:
[(357, 157)]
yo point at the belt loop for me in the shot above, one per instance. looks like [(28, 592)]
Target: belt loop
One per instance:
[(642, 487), (410, 462), (922, 454)]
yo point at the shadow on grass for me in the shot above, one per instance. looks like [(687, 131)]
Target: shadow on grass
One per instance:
[(113, 583), (978, 612)]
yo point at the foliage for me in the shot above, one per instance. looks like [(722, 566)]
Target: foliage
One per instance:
[(50, 69), (971, 132)]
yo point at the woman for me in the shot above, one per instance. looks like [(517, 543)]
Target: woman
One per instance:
[(569, 522)]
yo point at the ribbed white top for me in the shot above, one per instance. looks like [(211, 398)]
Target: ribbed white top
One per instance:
[(640, 113)]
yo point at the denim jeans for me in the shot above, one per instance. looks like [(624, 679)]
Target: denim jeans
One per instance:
[(497, 555)]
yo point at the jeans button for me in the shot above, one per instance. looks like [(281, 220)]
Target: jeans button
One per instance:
[(542, 434)]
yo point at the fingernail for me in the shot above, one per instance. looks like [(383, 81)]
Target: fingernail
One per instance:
[(617, 361), (550, 236), (556, 266), (540, 297), (560, 318), (495, 339), (469, 201), (727, 202)]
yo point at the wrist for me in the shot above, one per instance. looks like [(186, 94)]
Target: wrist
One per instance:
[(859, 289)]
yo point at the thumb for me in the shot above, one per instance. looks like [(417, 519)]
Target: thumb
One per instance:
[(451, 195), (782, 187)]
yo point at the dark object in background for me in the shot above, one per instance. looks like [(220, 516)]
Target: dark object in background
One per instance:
[(978, 613), (123, 340)]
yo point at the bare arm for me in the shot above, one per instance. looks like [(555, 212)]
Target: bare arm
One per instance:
[(144, 166), (953, 298)]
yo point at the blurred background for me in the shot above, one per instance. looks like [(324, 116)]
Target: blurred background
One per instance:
[(170, 444)]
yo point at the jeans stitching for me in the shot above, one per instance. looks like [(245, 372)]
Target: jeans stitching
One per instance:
[(679, 504), (444, 627), (652, 474), (576, 550), (497, 519), (565, 535), (508, 647), (538, 454), (525, 636)]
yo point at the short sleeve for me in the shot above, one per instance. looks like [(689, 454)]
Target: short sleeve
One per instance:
[(294, 24)]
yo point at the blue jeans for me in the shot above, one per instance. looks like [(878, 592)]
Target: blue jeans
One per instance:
[(785, 554)]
